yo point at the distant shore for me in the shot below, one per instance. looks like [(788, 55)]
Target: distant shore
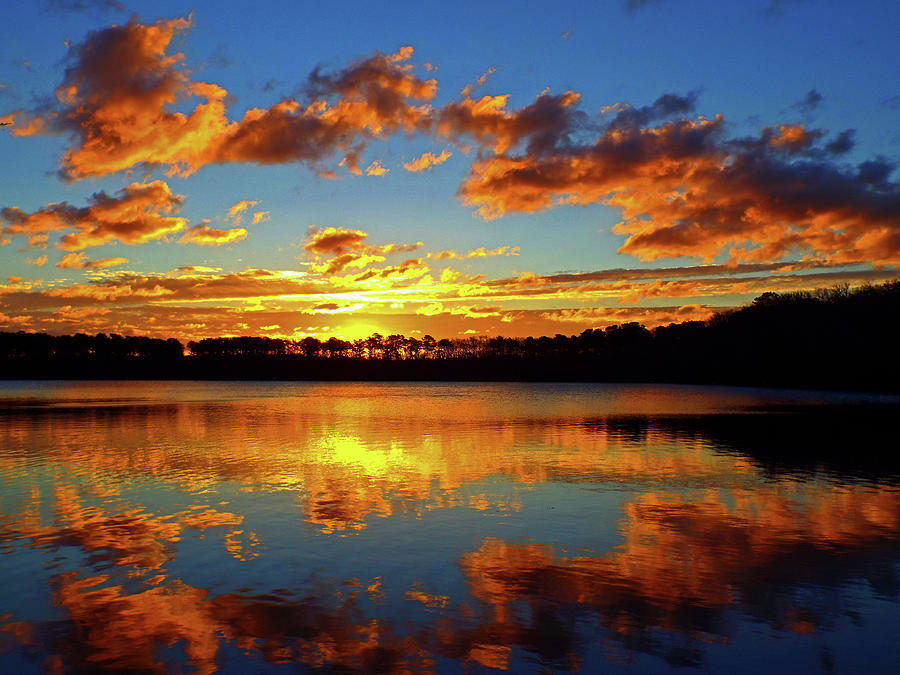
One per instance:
[(299, 368), (839, 338)]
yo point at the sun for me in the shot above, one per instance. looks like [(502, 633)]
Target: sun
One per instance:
[(355, 330)]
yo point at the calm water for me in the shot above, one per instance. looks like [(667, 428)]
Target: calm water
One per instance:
[(255, 527)]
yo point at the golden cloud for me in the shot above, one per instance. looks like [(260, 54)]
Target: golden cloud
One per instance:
[(138, 213), (480, 252), (427, 160), (236, 211), (204, 235), (79, 261), (116, 99), (376, 168)]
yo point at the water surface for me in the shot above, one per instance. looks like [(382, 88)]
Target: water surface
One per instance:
[(249, 527)]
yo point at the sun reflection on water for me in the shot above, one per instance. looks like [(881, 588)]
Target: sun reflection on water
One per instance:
[(371, 527)]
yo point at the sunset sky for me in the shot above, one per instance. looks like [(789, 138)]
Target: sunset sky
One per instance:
[(529, 168)]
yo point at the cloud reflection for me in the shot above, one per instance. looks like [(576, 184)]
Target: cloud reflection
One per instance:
[(709, 530)]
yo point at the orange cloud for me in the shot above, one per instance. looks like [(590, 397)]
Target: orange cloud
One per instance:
[(336, 249), (39, 261), (469, 88), (685, 190), (79, 261), (648, 316), (427, 160), (204, 235), (117, 100), (540, 124), (338, 263), (260, 216), (236, 212), (479, 252), (38, 241), (139, 212), (335, 240)]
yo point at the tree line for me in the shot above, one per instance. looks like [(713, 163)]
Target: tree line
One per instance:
[(836, 337)]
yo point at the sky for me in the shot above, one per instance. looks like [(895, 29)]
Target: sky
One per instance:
[(452, 169)]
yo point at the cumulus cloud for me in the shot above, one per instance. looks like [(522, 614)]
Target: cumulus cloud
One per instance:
[(685, 189), (117, 98), (543, 125), (682, 185), (137, 213)]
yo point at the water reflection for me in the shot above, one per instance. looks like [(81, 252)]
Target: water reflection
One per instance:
[(391, 528)]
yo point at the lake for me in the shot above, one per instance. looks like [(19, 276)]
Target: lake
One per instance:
[(405, 528)]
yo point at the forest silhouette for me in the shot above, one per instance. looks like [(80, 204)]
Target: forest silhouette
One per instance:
[(836, 338)]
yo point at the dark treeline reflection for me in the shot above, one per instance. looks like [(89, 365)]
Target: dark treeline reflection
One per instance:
[(160, 523), (848, 442), (837, 338)]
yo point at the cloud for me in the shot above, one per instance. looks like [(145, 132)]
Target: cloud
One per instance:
[(138, 213), (336, 249), (335, 240), (38, 241), (427, 160), (117, 97), (648, 316), (469, 88), (236, 211), (842, 143), (39, 261), (260, 216), (685, 189), (79, 261), (810, 102), (344, 261), (543, 125), (682, 185), (193, 301), (64, 6), (408, 269), (588, 173), (469, 311), (479, 252), (665, 106), (204, 235), (376, 168), (375, 97)]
